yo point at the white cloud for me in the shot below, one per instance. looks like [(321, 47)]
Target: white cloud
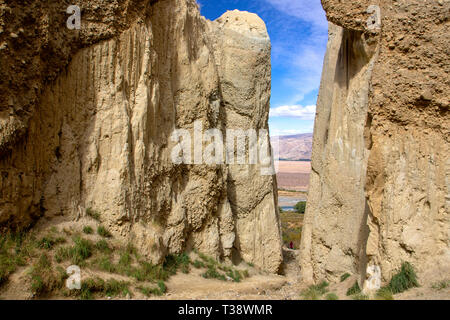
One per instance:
[(295, 111), (304, 53)]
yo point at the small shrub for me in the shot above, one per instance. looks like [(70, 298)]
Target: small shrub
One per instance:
[(224, 268), (384, 293), (158, 291), (88, 230), (110, 288), (131, 249), (162, 286), (345, 276), (81, 251), (212, 273), (104, 263), (149, 291), (125, 259), (103, 232), (148, 272), (114, 288), (175, 262), (89, 287), (184, 262), (355, 289), (331, 296), (235, 275), (45, 243), (49, 242), (62, 254), (102, 246), (314, 292), (15, 250), (360, 296), (208, 260), (300, 207), (198, 264), (43, 278), (440, 285), (37, 285), (62, 275), (93, 214), (405, 279)]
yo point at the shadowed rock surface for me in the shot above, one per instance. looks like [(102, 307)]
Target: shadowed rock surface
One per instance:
[(380, 181), (86, 119)]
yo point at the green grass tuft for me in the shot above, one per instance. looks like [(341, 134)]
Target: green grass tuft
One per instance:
[(384, 293), (93, 214), (314, 292), (157, 291), (175, 262), (49, 242), (88, 230), (103, 232), (355, 289), (405, 279), (102, 246), (78, 253), (360, 296), (331, 296), (198, 264), (345, 276), (210, 262), (212, 273), (15, 250), (110, 288), (43, 278), (162, 286), (235, 275), (104, 263), (440, 285)]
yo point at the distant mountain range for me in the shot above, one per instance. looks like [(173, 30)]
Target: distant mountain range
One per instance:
[(295, 147)]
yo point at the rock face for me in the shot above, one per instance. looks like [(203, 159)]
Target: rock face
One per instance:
[(380, 184), (95, 132)]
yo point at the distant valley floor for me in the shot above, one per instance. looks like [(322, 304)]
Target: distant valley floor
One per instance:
[(293, 175)]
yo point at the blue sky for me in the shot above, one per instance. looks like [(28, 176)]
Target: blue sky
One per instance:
[(298, 32)]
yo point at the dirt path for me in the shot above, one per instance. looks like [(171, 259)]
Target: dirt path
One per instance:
[(256, 287)]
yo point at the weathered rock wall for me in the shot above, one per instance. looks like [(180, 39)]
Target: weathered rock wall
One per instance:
[(380, 190), (99, 134)]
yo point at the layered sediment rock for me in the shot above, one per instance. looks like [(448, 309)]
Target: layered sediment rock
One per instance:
[(95, 132), (380, 187)]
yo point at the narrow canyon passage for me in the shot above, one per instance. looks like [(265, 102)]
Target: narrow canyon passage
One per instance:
[(135, 151)]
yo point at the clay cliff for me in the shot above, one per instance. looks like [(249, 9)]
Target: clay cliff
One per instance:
[(380, 183), (86, 118)]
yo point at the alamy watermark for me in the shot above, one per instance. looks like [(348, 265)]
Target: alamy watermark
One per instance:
[(374, 21), (238, 146), (74, 20), (73, 282)]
